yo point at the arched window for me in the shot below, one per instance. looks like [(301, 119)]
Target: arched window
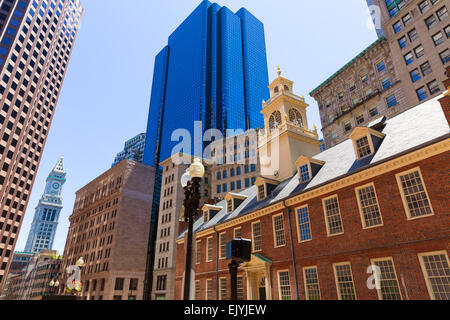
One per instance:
[(286, 88), (275, 120), (295, 117), (276, 90)]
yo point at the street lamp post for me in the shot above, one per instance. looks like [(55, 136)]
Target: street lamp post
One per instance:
[(190, 182)]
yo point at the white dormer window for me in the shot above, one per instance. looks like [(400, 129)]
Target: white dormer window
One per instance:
[(205, 216), (308, 168), (366, 141), (234, 200), (265, 187), (261, 192), (209, 211)]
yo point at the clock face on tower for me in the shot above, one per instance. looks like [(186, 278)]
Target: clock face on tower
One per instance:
[(55, 186)]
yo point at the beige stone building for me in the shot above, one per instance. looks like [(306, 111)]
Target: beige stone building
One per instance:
[(363, 90), (403, 68), (418, 33), (235, 164), (109, 228)]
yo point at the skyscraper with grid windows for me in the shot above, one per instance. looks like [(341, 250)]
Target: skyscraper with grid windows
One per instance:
[(36, 42)]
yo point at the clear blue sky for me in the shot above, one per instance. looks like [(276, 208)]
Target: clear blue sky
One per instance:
[(106, 93)]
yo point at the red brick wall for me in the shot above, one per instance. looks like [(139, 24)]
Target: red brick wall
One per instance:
[(398, 238)]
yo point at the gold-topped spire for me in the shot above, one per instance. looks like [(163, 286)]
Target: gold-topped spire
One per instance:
[(279, 71)]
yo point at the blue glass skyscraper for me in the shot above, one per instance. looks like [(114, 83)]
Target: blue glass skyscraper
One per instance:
[(214, 70)]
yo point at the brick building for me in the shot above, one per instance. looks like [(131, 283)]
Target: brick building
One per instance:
[(377, 199), (109, 228)]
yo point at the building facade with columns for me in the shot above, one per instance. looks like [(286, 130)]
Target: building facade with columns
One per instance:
[(321, 219)]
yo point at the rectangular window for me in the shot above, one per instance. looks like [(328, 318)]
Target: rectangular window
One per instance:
[(381, 66), (261, 192), (278, 231), (408, 58), (386, 83), (197, 290), (422, 93), (402, 42), (238, 233), (209, 249), (438, 38), (397, 27), (347, 126), (391, 101), (414, 194), (368, 206), (333, 216), (344, 281), (303, 224), (209, 289), (304, 173), (223, 246), (240, 288), (412, 35), (312, 287), (284, 285), (433, 87), (256, 235), (445, 56), (436, 270), (198, 252), (119, 284), (389, 287), (230, 206), (223, 289), (373, 112), (363, 147), (424, 6), (419, 51), (426, 68), (431, 21), (415, 75), (360, 119), (442, 13), (407, 19)]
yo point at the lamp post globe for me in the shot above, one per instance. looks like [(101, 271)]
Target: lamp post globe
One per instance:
[(57, 283), (185, 178), (80, 262), (52, 283), (197, 170)]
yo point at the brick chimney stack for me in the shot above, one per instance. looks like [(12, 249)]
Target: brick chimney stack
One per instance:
[(445, 101)]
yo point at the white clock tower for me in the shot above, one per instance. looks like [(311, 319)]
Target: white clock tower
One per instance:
[(45, 222)]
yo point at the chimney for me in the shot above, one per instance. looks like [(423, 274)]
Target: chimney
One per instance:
[(445, 101)]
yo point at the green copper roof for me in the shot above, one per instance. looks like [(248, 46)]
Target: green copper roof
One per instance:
[(262, 258), (348, 64)]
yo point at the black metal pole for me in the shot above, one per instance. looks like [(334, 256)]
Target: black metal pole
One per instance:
[(191, 206), (233, 275)]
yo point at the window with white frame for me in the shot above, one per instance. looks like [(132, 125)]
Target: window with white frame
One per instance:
[(261, 192), (238, 233), (389, 287), (368, 206), (312, 288), (333, 216), (363, 147), (197, 290), (278, 231), (223, 246), (198, 251), (436, 270), (284, 285), (305, 176), (240, 288), (344, 281), (223, 289), (303, 224), (209, 249), (256, 235), (414, 194), (209, 289)]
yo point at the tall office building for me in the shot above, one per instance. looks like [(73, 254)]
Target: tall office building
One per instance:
[(213, 70), (36, 42), (418, 33), (133, 150), (46, 216)]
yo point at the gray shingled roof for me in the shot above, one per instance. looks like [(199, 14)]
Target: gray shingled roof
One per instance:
[(404, 132)]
